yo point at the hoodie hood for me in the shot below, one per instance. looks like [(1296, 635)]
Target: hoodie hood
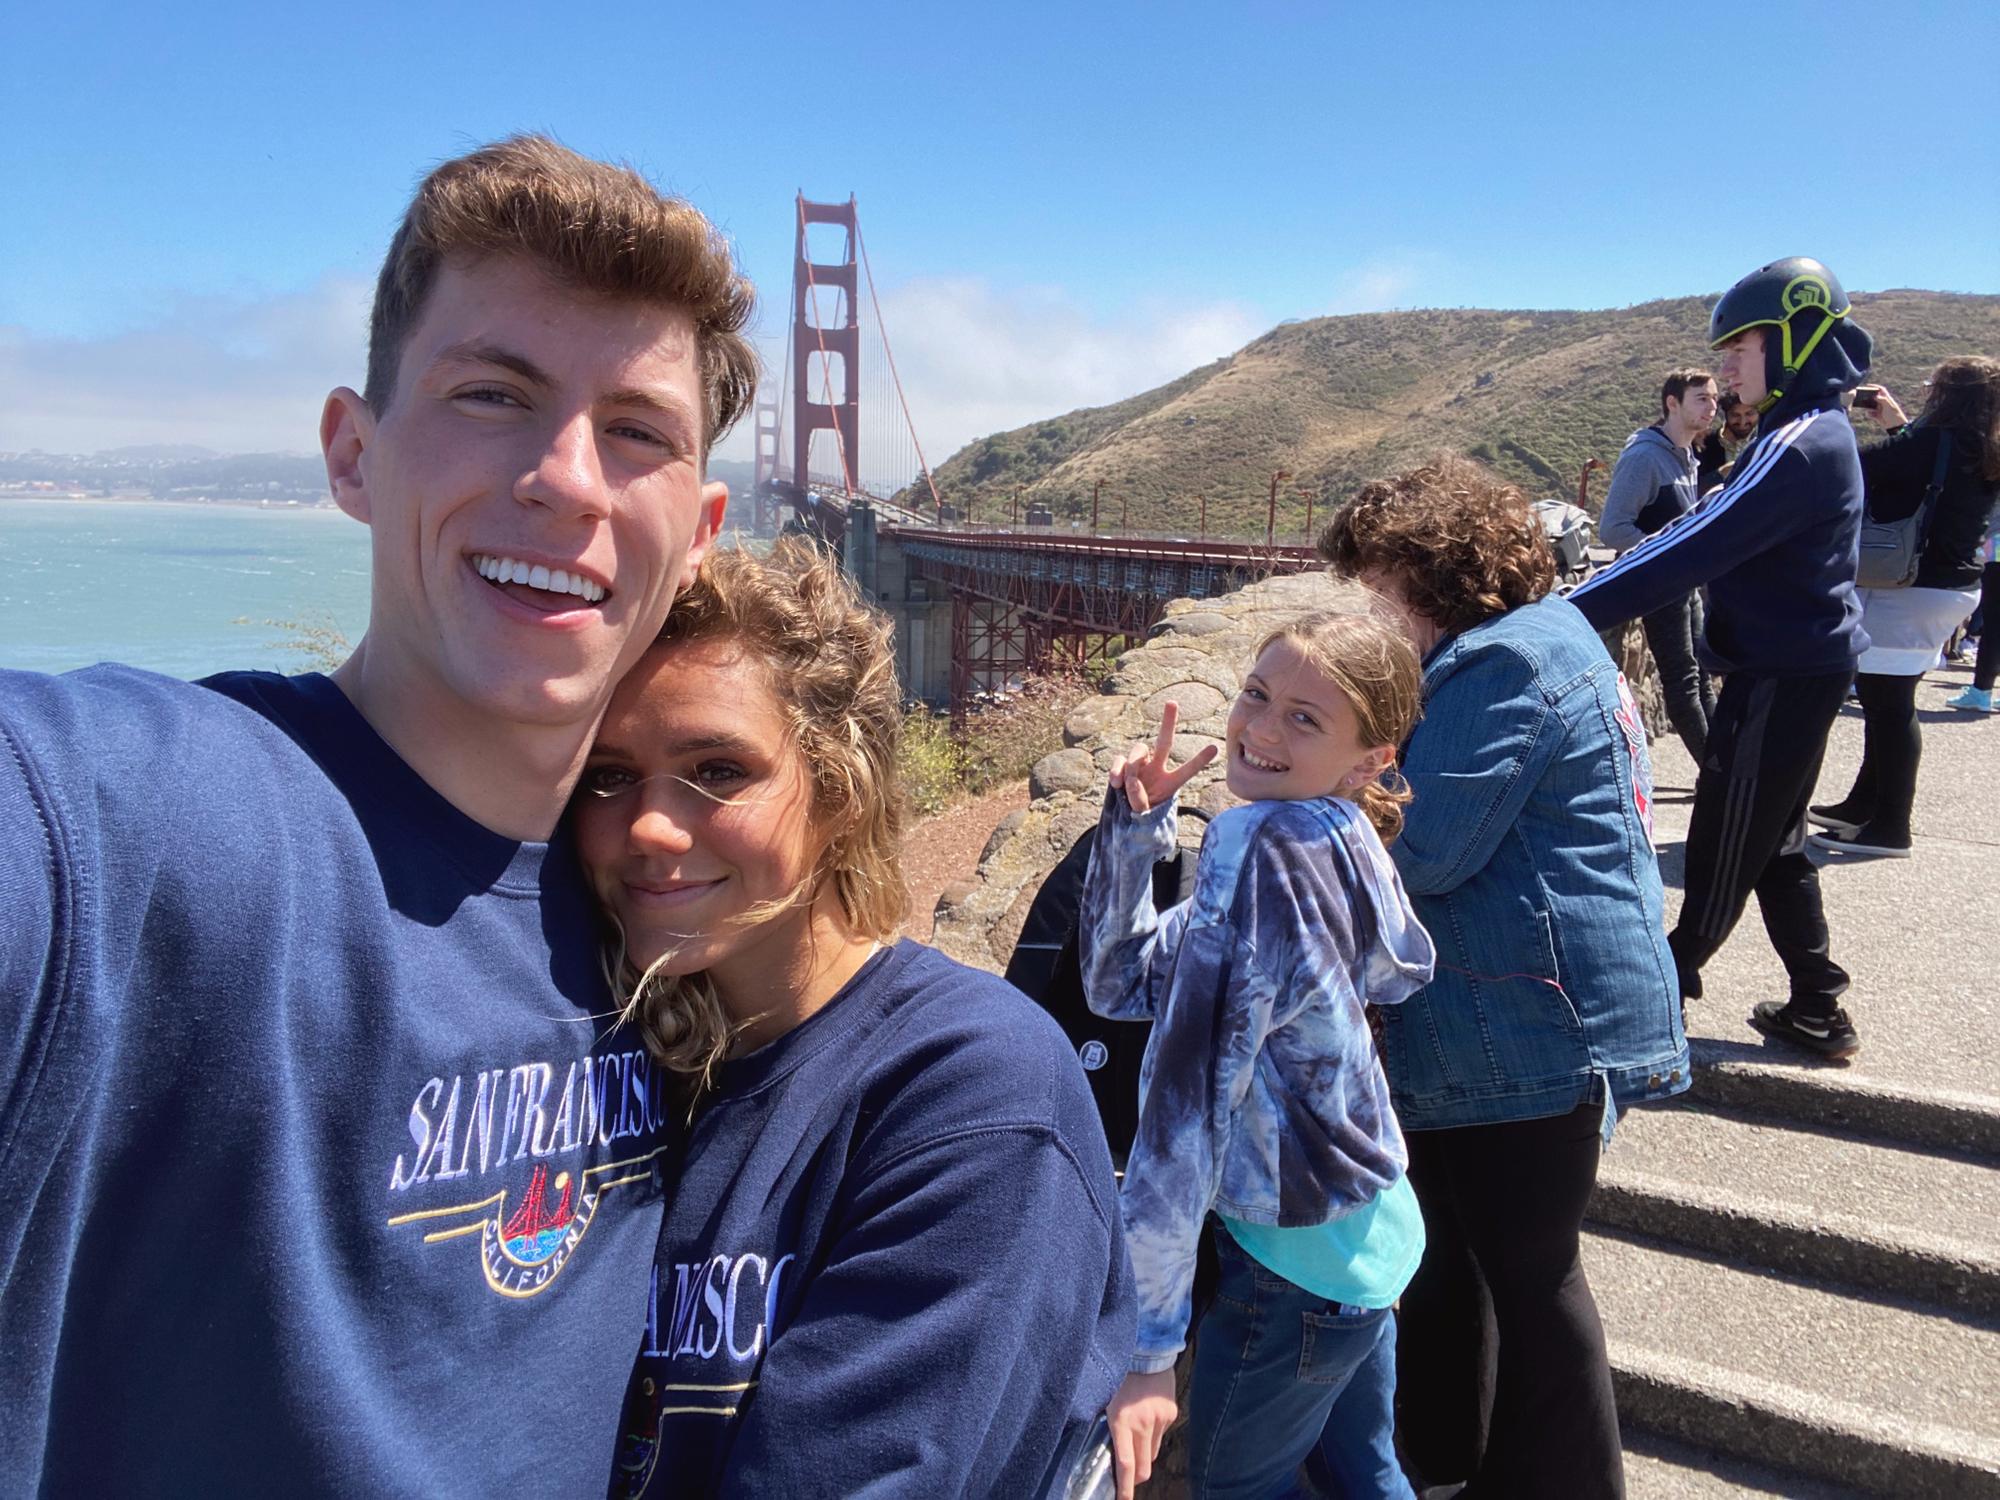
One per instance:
[(1839, 363)]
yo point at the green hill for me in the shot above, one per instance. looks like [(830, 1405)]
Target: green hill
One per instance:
[(1337, 401)]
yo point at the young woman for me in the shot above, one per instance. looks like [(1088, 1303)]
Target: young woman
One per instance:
[(1907, 627), (891, 1262), (1527, 854), (1262, 1097)]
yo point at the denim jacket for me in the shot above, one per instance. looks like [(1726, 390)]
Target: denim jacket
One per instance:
[(1260, 1095), (1528, 855)]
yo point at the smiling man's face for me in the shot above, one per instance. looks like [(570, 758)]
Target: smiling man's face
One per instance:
[(535, 492)]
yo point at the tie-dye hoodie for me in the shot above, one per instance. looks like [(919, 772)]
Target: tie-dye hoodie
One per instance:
[(1261, 1094)]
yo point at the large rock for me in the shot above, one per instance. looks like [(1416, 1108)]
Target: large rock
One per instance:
[(1196, 658)]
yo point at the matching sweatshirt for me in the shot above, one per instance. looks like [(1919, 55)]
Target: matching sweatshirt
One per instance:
[(328, 1170), (892, 1263)]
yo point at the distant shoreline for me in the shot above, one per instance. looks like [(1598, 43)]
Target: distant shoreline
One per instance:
[(140, 497)]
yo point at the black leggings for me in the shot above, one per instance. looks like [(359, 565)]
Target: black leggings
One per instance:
[(1501, 1374), (1986, 665), (1885, 788)]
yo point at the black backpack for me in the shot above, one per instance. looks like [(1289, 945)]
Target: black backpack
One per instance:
[(1048, 968)]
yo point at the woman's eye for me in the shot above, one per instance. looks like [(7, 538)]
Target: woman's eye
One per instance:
[(1253, 694), (606, 781), (719, 775), (1306, 719)]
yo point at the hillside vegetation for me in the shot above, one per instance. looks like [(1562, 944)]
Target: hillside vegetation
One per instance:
[(1337, 401)]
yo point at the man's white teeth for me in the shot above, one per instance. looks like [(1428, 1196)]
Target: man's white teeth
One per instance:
[(550, 580)]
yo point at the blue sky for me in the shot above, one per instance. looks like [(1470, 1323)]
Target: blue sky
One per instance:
[(1064, 203)]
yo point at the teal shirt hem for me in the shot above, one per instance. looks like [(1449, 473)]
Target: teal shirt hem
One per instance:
[(1363, 1259)]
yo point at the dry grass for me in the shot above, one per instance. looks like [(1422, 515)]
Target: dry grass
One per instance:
[(1338, 401)]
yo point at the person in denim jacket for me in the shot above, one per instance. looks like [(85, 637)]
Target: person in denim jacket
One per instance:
[(1527, 853)]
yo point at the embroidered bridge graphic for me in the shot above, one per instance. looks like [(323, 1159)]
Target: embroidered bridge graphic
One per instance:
[(522, 1252)]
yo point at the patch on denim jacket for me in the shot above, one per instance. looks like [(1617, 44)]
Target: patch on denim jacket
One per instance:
[(1633, 727)]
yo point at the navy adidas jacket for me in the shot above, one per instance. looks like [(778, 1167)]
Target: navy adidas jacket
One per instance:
[(1777, 546)]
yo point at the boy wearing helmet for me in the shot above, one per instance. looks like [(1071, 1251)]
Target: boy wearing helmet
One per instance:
[(1777, 547)]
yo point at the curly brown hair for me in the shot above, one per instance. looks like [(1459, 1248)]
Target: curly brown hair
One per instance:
[(1458, 540)]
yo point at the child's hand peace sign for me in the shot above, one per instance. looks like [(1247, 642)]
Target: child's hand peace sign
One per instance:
[(1143, 770)]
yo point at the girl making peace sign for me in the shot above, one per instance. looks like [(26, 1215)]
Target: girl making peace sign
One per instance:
[(1262, 1099)]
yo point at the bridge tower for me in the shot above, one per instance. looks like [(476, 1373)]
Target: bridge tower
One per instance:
[(842, 340), (766, 435)]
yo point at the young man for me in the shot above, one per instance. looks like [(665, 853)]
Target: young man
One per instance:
[(1658, 480), (1777, 547), (328, 1172)]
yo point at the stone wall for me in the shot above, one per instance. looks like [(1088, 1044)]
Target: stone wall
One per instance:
[(1196, 658)]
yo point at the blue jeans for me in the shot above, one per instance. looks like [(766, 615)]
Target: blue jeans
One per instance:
[(1278, 1371)]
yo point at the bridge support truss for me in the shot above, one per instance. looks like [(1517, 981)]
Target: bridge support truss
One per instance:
[(1017, 603)]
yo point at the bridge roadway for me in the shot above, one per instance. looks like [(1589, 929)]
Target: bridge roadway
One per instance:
[(979, 607)]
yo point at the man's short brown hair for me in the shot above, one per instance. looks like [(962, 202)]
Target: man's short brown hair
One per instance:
[(602, 229), (1460, 542), (1677, 383)]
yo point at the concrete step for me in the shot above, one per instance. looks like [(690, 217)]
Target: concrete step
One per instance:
[(1883, 1395), (1833, 1207), (1775, 1080), (1658, 1468)]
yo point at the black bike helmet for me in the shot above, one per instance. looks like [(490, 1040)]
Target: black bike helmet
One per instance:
[(1794, 294)]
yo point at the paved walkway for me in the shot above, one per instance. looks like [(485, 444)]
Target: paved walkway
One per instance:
[(1921, 936)]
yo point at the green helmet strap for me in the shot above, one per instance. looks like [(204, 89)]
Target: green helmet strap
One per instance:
[(1793, 362)]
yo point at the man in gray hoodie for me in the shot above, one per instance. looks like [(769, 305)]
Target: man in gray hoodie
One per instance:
[(1657, 480)]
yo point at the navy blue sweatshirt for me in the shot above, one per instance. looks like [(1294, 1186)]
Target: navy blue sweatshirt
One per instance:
[(324, 1175), (892, 1263), (1777, 546)]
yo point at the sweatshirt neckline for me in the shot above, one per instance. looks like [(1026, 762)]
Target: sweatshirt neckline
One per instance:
[(337, 735), (840, 1017)]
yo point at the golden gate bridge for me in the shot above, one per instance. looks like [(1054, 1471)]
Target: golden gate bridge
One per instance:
[(977, 606)]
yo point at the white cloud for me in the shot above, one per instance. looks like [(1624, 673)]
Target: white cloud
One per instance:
[(250, 376), (238, 376), (1378, 285), (977, 359)]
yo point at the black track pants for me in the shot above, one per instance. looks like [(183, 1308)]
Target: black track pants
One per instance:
[(1748, 831)]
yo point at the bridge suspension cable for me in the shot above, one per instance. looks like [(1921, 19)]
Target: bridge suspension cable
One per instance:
[(909, 424)]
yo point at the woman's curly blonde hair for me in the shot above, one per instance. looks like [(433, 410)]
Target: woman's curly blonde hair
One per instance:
[(830, 663), (1459, 540)]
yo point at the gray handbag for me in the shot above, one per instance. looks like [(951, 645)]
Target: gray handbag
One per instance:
[(1892, 551)]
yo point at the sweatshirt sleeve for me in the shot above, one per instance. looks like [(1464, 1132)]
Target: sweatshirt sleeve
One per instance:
[(1215, 1012), (1634, 483), (1465, 803), (32, 894), (1895, 473), (922, 1356), (1765, 502), (1126, 946)]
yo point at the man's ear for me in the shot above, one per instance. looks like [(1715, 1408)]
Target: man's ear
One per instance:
[(346, 428), (713, 506)]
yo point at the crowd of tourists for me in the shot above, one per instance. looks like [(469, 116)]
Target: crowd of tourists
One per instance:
[(495, 1065)]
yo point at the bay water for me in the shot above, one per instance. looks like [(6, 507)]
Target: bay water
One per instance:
[(184, 589)]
